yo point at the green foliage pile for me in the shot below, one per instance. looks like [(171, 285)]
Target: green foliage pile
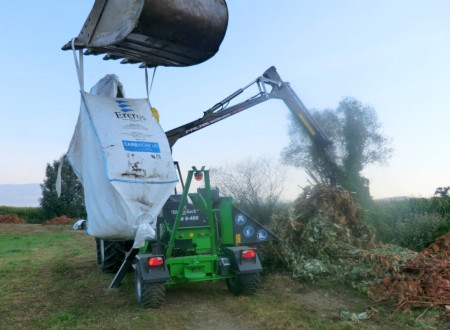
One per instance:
[(29, 214), (324, 238), (413, 223)]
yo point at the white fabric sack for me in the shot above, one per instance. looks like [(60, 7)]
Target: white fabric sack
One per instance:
[(122, 157), (79, 224)]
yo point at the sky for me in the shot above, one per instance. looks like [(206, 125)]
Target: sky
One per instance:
[(391, 55)]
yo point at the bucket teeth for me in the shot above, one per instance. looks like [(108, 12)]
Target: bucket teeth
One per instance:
[(90, 51), (111, 57), (127, 61)]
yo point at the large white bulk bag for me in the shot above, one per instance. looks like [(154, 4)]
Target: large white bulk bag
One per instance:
[(122, 156)]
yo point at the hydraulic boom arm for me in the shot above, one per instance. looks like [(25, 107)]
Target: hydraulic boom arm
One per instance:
[(279, 90)]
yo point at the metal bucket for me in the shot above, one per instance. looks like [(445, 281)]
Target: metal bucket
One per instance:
[(154, 32)]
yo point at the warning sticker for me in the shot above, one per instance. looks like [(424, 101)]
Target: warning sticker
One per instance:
[(240, 219), (238, 238), (248, 231), (261, 235)]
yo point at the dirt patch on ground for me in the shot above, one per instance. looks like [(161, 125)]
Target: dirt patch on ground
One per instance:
[(328, 302), (210, 306)]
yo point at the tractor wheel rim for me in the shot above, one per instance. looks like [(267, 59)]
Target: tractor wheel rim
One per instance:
[(138, 288)]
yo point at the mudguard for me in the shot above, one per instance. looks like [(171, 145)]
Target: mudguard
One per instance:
[(152, 274), (240, 265)]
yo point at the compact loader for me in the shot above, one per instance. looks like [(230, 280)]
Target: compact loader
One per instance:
[(200, 236)]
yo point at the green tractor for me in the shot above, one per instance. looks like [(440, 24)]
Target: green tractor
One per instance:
[(207, 238), (199, 237)]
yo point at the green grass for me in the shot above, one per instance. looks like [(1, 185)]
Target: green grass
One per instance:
[(50, 279)]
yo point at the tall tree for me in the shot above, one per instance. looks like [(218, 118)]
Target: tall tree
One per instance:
[(255, 185), (442, 191), (71, 201), (354, 130)]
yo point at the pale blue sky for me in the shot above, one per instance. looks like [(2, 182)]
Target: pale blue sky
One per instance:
[(392, 55)]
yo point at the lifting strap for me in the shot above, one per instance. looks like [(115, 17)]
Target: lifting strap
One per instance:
[(78, 64)]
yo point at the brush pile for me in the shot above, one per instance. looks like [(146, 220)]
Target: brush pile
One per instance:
[(62, 220), (324, 238), (11, 218), (423, 282)]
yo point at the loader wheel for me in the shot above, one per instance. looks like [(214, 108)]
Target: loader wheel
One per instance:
[(149, 295), (243, 284), (113, 255)]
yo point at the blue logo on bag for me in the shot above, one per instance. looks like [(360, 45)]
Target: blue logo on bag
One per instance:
[(124, 109), (124, 106), (141, 146)]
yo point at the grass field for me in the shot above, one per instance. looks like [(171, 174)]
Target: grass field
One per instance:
[(49, 278)]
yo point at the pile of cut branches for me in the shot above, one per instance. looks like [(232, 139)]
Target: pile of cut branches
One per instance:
[(62, 220), (319, 207), (11, 218), (324, 238), (423, 282)]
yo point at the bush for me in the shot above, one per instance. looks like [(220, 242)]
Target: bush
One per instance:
[(383, 216), (413, 223), (29, 214), (420, 231)]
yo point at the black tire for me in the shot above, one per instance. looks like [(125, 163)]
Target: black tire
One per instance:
[(114, 253), (149, 295), (243, 284), (99, 252)]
